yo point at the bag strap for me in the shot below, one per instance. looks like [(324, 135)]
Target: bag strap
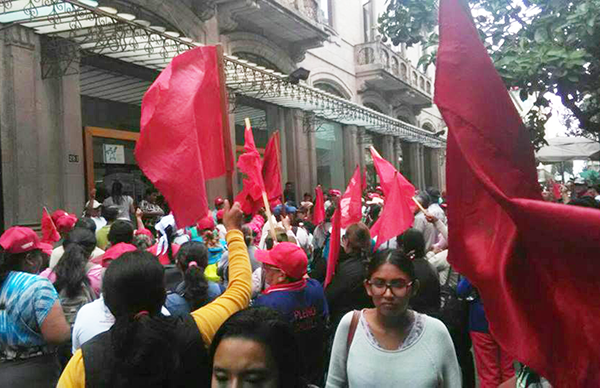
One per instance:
[(352, 331), (449, 274)]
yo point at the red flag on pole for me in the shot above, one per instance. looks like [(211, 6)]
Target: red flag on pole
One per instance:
[(250, 162), (50, 234), (534, 263), (319, 208), (334, 245), (398, 209), (271, 170), (351, 201), (181, 139)]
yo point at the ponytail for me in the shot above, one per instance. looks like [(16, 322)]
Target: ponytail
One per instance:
[(193, 259), (169, 232), (70, 270)]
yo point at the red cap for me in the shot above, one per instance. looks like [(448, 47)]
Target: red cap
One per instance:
[(335, 193), (220, 215), (144, 232), (219, 201), (288, 257), (19, 239), (65, 222), (115, 252), (379, 188), (207, 222)]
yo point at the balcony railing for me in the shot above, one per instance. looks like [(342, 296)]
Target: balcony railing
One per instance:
[(376, 53), (307, 8)]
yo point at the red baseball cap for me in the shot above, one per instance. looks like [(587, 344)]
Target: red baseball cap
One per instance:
[(115, 252), (219, 201), (19, 239), (65, 223), (220, 214), (144, 232), (206, 223), (288, 257), (335, 193)]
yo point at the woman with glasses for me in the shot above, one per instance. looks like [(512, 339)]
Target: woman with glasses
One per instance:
[(392, 345)]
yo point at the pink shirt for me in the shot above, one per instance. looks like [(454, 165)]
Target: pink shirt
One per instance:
[(94, 275)]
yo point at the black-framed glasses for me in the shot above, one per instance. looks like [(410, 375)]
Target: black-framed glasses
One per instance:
[(397, 287)]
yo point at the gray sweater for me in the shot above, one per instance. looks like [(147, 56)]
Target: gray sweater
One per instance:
[(429, 361)]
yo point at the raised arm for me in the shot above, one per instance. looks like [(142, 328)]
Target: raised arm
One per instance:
[(237, 296)]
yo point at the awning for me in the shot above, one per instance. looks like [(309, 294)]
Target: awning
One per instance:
[(562, 149), (81, 27)]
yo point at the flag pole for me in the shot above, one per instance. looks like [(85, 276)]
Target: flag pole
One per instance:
[(229, 161), (420, 206), (265, 199)]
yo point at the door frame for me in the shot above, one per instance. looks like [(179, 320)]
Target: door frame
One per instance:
[(88, 143)]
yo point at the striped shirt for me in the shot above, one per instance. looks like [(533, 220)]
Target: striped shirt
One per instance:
[(25, 301)]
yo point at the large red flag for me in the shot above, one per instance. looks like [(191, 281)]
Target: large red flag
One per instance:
[(50, 234), (271, 170), (319, 208), (250, 162), (398, 209), (181, 139), (534, 263), (334, 245), (351, 201)]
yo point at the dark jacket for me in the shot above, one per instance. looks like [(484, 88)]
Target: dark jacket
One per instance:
[(427, 300), (346, 292), (477, 319)]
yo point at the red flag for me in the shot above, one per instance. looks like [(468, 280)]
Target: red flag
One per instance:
[(250, 198), (398, 209), (181, 139), (249, 162), (534, 263), (319, 208), (271, 170), (556, 191), (334, 245), (351, 201), (388, 177), (50, 234)]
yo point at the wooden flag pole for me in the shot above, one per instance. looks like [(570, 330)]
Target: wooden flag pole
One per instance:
[(420, 206), (229, 160), (265, 200)]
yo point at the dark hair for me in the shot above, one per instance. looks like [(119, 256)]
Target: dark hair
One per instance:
[(248, 235), (267, 327), (86, 223), (120, 232), (585, 201), (394, 257), (110, 213), (70, 271), (196, 285), (145, 346), (170, 234), (374, 212), (412, 240), (424, 199), (360, 235), (11, 261), (116, 193), (150, 191), (434, 194), (142, 241)]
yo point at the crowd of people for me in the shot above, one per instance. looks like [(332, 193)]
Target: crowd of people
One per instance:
[(127, 298)]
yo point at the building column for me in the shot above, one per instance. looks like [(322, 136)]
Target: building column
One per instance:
[(387, 148), (417, 164), (362, 146), (301, 153), (351, 149)]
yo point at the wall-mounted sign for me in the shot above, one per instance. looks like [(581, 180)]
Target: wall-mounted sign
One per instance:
[(73, 158), (114, 154)]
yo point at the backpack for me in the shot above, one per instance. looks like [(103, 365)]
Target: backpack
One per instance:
[(72, 305), (454, 311)]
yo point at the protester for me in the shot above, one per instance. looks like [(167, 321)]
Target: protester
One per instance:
[(494, 365), (123, 202), (64, 222), (289, 193), (301, 301), (219, 203), (256, 347), (165, 247), (223, 268), (434, 209), (31, 317), (346, 292), (120, 237), (194, 291), (421, 223), (145, 348), (84, 223), (109, 213), (427, 299), (93, 210), (216, 247), (392, 345), (151, 212), (220, 227)]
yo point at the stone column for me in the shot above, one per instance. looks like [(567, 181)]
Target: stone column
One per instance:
[(351, 149), (301, 156), (387, 151), (362, 146)]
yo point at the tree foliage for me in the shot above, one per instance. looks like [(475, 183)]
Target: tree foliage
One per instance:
[(537, 46)]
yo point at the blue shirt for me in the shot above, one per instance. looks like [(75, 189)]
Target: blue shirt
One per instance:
[(178, 306), (477, 319), (25, 302)]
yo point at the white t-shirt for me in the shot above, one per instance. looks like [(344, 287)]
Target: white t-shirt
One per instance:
[(92, 319), (124, 206)]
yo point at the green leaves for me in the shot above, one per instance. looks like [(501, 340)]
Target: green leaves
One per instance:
[(536, 45)]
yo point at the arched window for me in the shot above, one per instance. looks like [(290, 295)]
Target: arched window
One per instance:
[(404, 71), (258, 60), (385, 59), (373, 106), (428, 87), (415, 78), (428, 127), (331, 89), (395, 65), (422, 83)]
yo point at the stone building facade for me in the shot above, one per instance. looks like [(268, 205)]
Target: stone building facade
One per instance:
[(68, 91)]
